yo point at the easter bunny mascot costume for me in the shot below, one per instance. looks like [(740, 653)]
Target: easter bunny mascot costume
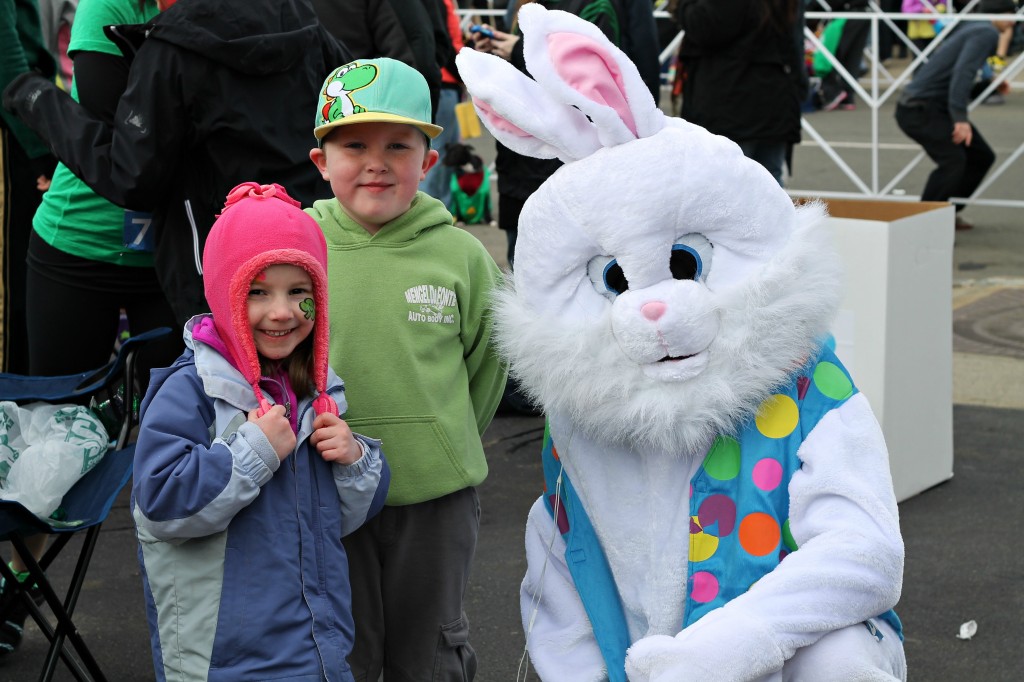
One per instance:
[(718, 502)]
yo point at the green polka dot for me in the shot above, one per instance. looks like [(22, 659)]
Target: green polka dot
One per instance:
[(787, 537), (723, 461), (832, 381)]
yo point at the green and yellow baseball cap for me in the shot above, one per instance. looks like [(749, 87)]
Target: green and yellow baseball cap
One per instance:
[(373, 91)]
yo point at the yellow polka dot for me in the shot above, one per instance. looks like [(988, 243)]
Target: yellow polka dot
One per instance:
[(702, 545), (777, 416)]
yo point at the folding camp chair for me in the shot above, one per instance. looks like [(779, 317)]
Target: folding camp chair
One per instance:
[(85, 506)]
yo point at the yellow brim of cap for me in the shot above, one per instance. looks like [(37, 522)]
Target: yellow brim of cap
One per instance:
[(429, 129)]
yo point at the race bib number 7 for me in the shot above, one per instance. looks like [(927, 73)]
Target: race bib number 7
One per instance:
[(138, 231)]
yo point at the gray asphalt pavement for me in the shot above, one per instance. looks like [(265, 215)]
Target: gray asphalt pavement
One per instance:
[(962, 564)]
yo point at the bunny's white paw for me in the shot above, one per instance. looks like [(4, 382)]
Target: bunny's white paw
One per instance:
[(653, 659)]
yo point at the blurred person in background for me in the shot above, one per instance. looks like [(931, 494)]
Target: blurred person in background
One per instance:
[(219, 92), (932, 110), (849, 51), (439, 178), (368, 28), (87, 259), (744, 73), (25, 169), (56, 18)]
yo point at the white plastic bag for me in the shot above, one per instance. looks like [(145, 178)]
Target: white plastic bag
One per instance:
[(44, 450)]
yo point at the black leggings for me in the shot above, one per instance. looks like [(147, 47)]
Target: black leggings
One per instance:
[(17, 205), (849, 52), (74, 307), (959, 169)]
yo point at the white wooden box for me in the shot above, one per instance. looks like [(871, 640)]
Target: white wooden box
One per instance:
[(894, 331)]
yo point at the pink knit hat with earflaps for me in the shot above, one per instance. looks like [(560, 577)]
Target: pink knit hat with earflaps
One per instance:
[(262, 226)]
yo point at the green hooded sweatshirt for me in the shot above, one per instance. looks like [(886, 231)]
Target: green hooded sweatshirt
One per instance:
[(411, 338)]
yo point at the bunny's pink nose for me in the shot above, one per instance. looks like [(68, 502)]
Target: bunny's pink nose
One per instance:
[(653, 310)]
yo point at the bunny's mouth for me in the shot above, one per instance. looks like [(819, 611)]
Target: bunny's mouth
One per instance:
[(674, 358), (677, 367)]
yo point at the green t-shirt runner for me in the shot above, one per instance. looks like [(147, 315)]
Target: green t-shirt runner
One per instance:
[(73, 218)]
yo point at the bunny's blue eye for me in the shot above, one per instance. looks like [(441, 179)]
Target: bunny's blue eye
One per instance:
[(685, 263), (607, 276), (691, 257), (614, 279)]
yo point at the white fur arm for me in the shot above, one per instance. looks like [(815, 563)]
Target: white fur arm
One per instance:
[(561, 643), (849, 567)]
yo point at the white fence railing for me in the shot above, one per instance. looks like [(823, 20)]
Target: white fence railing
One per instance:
[(882, 85)]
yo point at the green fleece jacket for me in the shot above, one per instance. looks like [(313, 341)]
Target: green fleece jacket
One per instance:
[(411, 337)]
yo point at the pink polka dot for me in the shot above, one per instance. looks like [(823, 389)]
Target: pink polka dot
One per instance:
[(705, 587), (767, 474)]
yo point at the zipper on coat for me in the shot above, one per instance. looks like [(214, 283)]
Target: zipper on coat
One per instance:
[(197, 254)]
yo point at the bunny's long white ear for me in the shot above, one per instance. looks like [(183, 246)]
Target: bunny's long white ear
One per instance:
[(577, 64), (520, 114)]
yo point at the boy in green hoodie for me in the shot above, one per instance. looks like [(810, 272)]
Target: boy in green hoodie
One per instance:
[(411, 334)]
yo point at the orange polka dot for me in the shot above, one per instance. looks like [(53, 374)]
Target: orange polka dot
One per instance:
[(759, 534)]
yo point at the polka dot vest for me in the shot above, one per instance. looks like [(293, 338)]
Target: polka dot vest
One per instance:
[(739, 507), (739, 499)]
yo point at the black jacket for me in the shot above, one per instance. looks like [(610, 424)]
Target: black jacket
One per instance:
[(219, 92), (426, 29), (744, 79), (368, 28)]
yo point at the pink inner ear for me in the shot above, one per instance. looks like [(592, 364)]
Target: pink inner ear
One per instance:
[(590, 70), (498, 121)]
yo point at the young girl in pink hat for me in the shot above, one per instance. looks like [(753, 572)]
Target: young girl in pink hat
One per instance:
[(246, 478)]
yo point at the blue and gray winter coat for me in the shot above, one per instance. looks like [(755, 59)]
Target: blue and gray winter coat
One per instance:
[(245, 574)]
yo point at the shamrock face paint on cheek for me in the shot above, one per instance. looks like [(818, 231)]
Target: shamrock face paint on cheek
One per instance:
[(280, 309), (308, 307)]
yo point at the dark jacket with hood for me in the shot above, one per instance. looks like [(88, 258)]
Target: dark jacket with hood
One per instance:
[(744, 79), (368, 28), (425, 27), (219, 92)]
